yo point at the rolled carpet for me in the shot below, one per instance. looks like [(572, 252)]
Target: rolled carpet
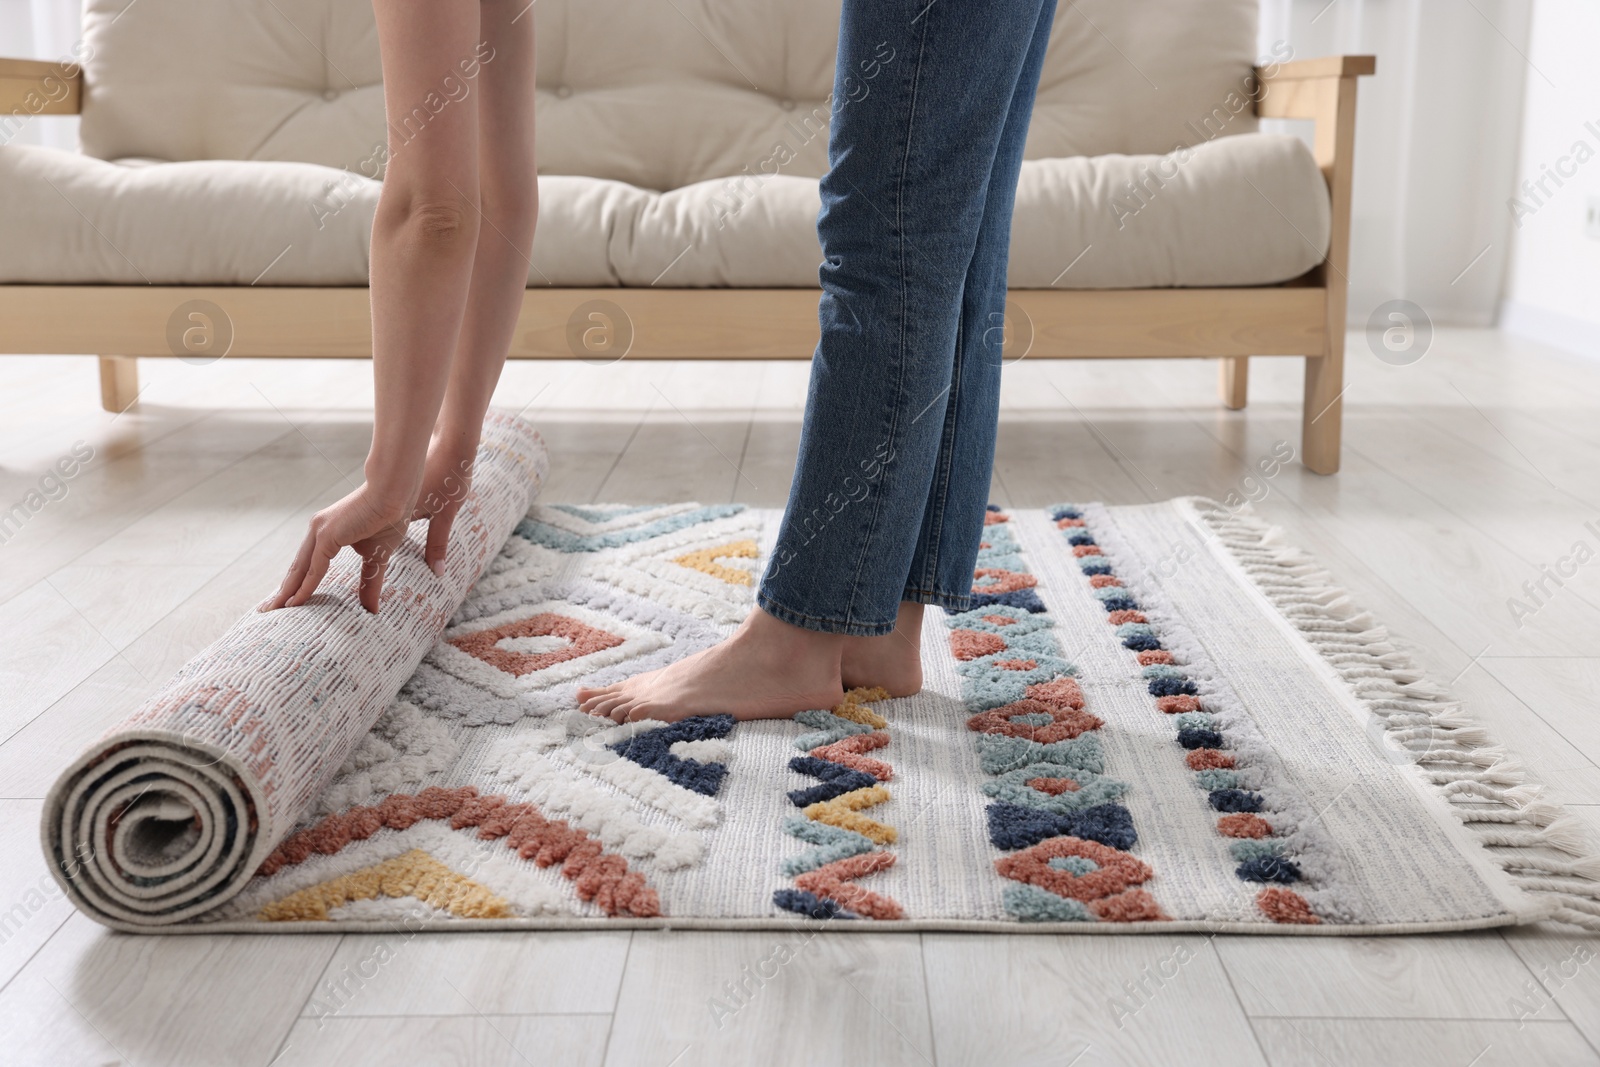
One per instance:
[(172, 811)]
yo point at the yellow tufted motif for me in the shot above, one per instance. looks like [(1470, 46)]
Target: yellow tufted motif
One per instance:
[(854, 707), (705, 560), (845, 813), (413, 874)]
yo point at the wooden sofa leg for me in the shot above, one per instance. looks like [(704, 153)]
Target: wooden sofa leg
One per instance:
[(119, 382), (1322, 417), (1234, 378)]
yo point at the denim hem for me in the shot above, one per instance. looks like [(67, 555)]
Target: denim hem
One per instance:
[(954, 603), (819, 623)]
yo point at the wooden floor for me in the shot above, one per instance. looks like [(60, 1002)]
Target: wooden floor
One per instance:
[(1463, 475)]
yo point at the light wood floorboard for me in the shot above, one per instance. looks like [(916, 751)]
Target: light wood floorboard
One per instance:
[(1057, 1000), (449, 1041), (1421, 1043), (1464, 474), (707, 998)]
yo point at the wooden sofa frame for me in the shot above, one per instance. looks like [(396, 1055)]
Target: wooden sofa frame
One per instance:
[(1304, 317)]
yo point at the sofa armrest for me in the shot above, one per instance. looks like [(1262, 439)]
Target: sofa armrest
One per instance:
[(1323, 90), (1322, 67), (31, 87)]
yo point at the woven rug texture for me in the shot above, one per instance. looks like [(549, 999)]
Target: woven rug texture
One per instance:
[(1155, 717)]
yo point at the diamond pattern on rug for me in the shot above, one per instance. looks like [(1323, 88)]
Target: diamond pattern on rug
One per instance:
[(619, 781), (486, 653), (707, 570), (531, 645), (1075, 880), (591, 528), (406, 746)]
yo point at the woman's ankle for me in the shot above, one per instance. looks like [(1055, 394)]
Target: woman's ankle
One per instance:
[(892, 661)]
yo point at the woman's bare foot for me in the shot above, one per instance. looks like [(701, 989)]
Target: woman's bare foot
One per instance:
[(893, 661), (766, 670)]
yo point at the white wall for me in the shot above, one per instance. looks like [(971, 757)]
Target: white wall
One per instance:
[(1554, 290)]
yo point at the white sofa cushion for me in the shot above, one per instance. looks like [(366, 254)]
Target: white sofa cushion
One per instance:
[(656, 93), (1245, 210)]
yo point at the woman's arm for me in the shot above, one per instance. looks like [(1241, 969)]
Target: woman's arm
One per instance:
[(509, 203), (433, 378)]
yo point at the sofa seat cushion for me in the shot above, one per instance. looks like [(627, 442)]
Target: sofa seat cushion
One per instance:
[(1250, 209)]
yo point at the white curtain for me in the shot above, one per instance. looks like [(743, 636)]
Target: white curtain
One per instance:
[(1436, 143)]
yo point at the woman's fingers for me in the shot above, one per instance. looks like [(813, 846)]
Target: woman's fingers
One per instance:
[(323, 549), (297, 573), (438, 539), (352, 521), (374, 563)]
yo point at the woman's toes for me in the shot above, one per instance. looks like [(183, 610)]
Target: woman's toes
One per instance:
[(601, 696), (588, 697), (603, 704)]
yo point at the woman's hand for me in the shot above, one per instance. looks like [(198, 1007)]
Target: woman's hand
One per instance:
[(446, 480), (372, 527)]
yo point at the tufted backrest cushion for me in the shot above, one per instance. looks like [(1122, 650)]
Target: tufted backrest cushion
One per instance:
[(657, 93)]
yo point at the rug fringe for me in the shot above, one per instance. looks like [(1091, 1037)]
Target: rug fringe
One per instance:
[(1546, 851), (1588, 917)]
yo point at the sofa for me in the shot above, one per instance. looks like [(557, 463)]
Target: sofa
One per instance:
[(232, 155)]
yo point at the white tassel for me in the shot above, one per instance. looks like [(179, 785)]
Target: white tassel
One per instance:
[(1520, 798), (1456, 737), (1567, 833), (1573, 917), (1579, 903), (1421, 706), (1535, 813), (1487, 756), (1587, 868), (1564, 833), (1572, 886), (1448, 777), (1474, 736)]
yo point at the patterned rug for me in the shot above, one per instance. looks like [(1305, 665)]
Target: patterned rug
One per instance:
[(1155, 717)]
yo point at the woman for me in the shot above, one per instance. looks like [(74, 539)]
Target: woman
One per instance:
[(885, 513)]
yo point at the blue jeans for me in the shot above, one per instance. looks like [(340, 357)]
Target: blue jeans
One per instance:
[(930, 111)]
